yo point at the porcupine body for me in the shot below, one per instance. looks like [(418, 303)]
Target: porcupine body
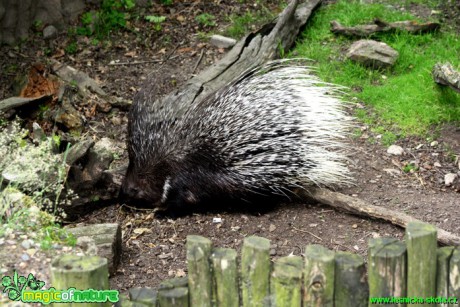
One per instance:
[(275, 129)]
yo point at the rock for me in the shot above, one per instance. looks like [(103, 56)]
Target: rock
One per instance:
[(395, 150), (26, 244), (97, 160), (372, 53), (107, 238), (78, 150), (87, 245), (222, 42), (449, 179), (434, 144), (71, 9), (50, 32)]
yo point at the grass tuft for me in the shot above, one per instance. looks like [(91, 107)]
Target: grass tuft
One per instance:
[(405, 97)]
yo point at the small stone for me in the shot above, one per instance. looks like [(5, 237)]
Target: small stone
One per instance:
[(434, 144), (272, 228), (25, 257), (116, 120), (222, 42), (449, 179), (50, 32), (372, 53), (395, 150), (165, 256), (437, 164), (273, 252), (26, 244)]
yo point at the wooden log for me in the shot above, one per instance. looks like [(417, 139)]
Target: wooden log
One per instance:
[(444, 255), (421, 260), (387, 269), (445, 74), (199, 270), (360, 207), (454, 276), (81, 273), (319, 275), (383, 26), (225, 277), (255, 271), (174, 297), (350, 282), (286, 282)]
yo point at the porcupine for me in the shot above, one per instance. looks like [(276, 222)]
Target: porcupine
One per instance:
[(276, 129)]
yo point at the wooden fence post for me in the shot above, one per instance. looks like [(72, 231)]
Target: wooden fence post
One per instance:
[(286, 282), (387, 268), (81, 273), (319, 277), (199, 270), (350, 283), (225, 273), (421, 260), (255, 272)]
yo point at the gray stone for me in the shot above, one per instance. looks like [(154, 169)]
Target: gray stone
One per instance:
[(372, 53), (108, 241), (395, 150), (222, 42), (449, 179), (50, 32), (71, 9), (26, 244)]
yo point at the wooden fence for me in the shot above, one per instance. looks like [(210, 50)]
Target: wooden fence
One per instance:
[(413, 273)]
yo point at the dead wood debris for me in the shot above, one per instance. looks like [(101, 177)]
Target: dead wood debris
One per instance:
[(383, 26)]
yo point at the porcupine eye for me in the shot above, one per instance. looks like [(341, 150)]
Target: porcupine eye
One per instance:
[(140, 187)]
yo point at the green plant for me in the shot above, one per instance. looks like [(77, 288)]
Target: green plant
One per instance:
[(71, 48), (205, 19), (39, 224), (409, 168), (111, 16), (156, 20), (166, 2)]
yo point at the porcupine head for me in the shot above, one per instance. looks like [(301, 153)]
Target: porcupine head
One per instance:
[(275, 129)]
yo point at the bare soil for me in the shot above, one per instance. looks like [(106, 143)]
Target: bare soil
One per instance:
[(154, 248)]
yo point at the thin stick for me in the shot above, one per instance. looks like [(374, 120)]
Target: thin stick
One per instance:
[(198, 62), (306, 231)]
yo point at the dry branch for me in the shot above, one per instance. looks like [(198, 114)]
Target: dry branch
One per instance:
[(445, 74), (383, 26), (362, 208)]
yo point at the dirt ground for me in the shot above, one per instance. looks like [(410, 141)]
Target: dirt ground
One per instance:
[(154, 248)]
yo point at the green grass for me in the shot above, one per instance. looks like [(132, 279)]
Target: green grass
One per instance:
[(241, 24), (405, 97)]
